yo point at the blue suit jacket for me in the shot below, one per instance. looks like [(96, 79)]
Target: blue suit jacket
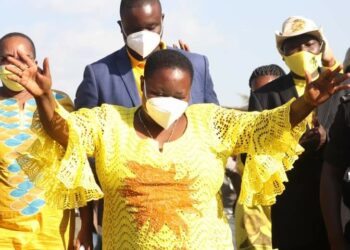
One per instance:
[(111, 80)]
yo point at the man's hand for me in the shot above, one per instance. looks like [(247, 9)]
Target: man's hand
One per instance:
[(313, 139), (183, 46), (25, 71), (84, 239)]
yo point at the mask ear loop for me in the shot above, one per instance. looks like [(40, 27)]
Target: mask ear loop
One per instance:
[(123, 30), (144, 89), (161, 31)]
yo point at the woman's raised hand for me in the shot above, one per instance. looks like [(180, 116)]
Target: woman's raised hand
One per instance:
[(328, 83), (26, 72)]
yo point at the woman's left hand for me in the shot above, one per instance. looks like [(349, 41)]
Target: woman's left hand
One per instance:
[(183, 46), (27, 73), (328, 83)]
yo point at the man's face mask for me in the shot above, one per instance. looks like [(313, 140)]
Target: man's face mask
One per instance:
[(143, 42), (164, 110), (12, 85), (303, 61)]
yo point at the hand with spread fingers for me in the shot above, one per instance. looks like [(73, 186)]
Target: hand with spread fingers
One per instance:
[(38, 83), (27, 73), (317, 92), (328, 83)]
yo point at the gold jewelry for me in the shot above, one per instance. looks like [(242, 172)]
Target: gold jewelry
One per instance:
[(149, 133)]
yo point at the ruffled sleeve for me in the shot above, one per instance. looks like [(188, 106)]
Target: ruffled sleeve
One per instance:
[(271, 146), (65, 174)]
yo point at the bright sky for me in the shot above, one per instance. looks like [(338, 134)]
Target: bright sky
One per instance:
[(236, 37)]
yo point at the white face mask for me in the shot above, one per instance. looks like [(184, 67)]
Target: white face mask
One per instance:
[(143, 42), (165, 110)]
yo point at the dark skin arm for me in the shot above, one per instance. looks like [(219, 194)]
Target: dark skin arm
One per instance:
[(84, 237), (330, 194), (38, 83)]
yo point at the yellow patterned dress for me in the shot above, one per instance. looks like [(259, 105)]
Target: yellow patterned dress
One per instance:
[(26, 222), (168, 199)]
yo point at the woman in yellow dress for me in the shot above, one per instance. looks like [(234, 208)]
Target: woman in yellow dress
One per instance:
[(161, 165), (26, 222)]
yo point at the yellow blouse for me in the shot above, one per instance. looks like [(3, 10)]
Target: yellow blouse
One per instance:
[(26, 222), (168, 199)]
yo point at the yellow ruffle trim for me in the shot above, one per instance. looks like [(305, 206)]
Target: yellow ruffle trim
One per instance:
[(74, 184), (269, 157)]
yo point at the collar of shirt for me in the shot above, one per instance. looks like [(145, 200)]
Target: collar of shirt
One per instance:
[(138, 67), (300, 87), (300, 83)]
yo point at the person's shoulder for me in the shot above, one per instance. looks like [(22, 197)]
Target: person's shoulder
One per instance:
[(201, 109), (202, 106), (111, 58), (121, 110), (64, 99), (60, 95), (345, 99)]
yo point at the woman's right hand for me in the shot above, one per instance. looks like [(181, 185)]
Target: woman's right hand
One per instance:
[(26, 72), (84, 240), (38, 83)]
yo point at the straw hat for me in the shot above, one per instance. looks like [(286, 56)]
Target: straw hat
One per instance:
[(295, 26)]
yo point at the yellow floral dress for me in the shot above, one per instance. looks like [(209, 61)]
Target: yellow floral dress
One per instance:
[(26, 222), (168, 199)]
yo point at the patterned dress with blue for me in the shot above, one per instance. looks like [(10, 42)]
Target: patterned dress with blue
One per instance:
[(25, 220)]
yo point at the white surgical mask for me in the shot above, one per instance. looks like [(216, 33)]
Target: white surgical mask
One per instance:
[(143, 42), (165, 110)]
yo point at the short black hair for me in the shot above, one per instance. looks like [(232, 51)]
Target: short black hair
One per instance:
[(18, 34), (266, 70), (128, 4), (167, 58)]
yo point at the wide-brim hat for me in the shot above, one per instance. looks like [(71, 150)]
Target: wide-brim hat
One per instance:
[(296, 26)]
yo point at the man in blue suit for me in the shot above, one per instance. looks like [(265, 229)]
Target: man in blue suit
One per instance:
[(115, 79)]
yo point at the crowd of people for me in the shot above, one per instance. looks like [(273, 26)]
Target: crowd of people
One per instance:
[(142, 151)]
